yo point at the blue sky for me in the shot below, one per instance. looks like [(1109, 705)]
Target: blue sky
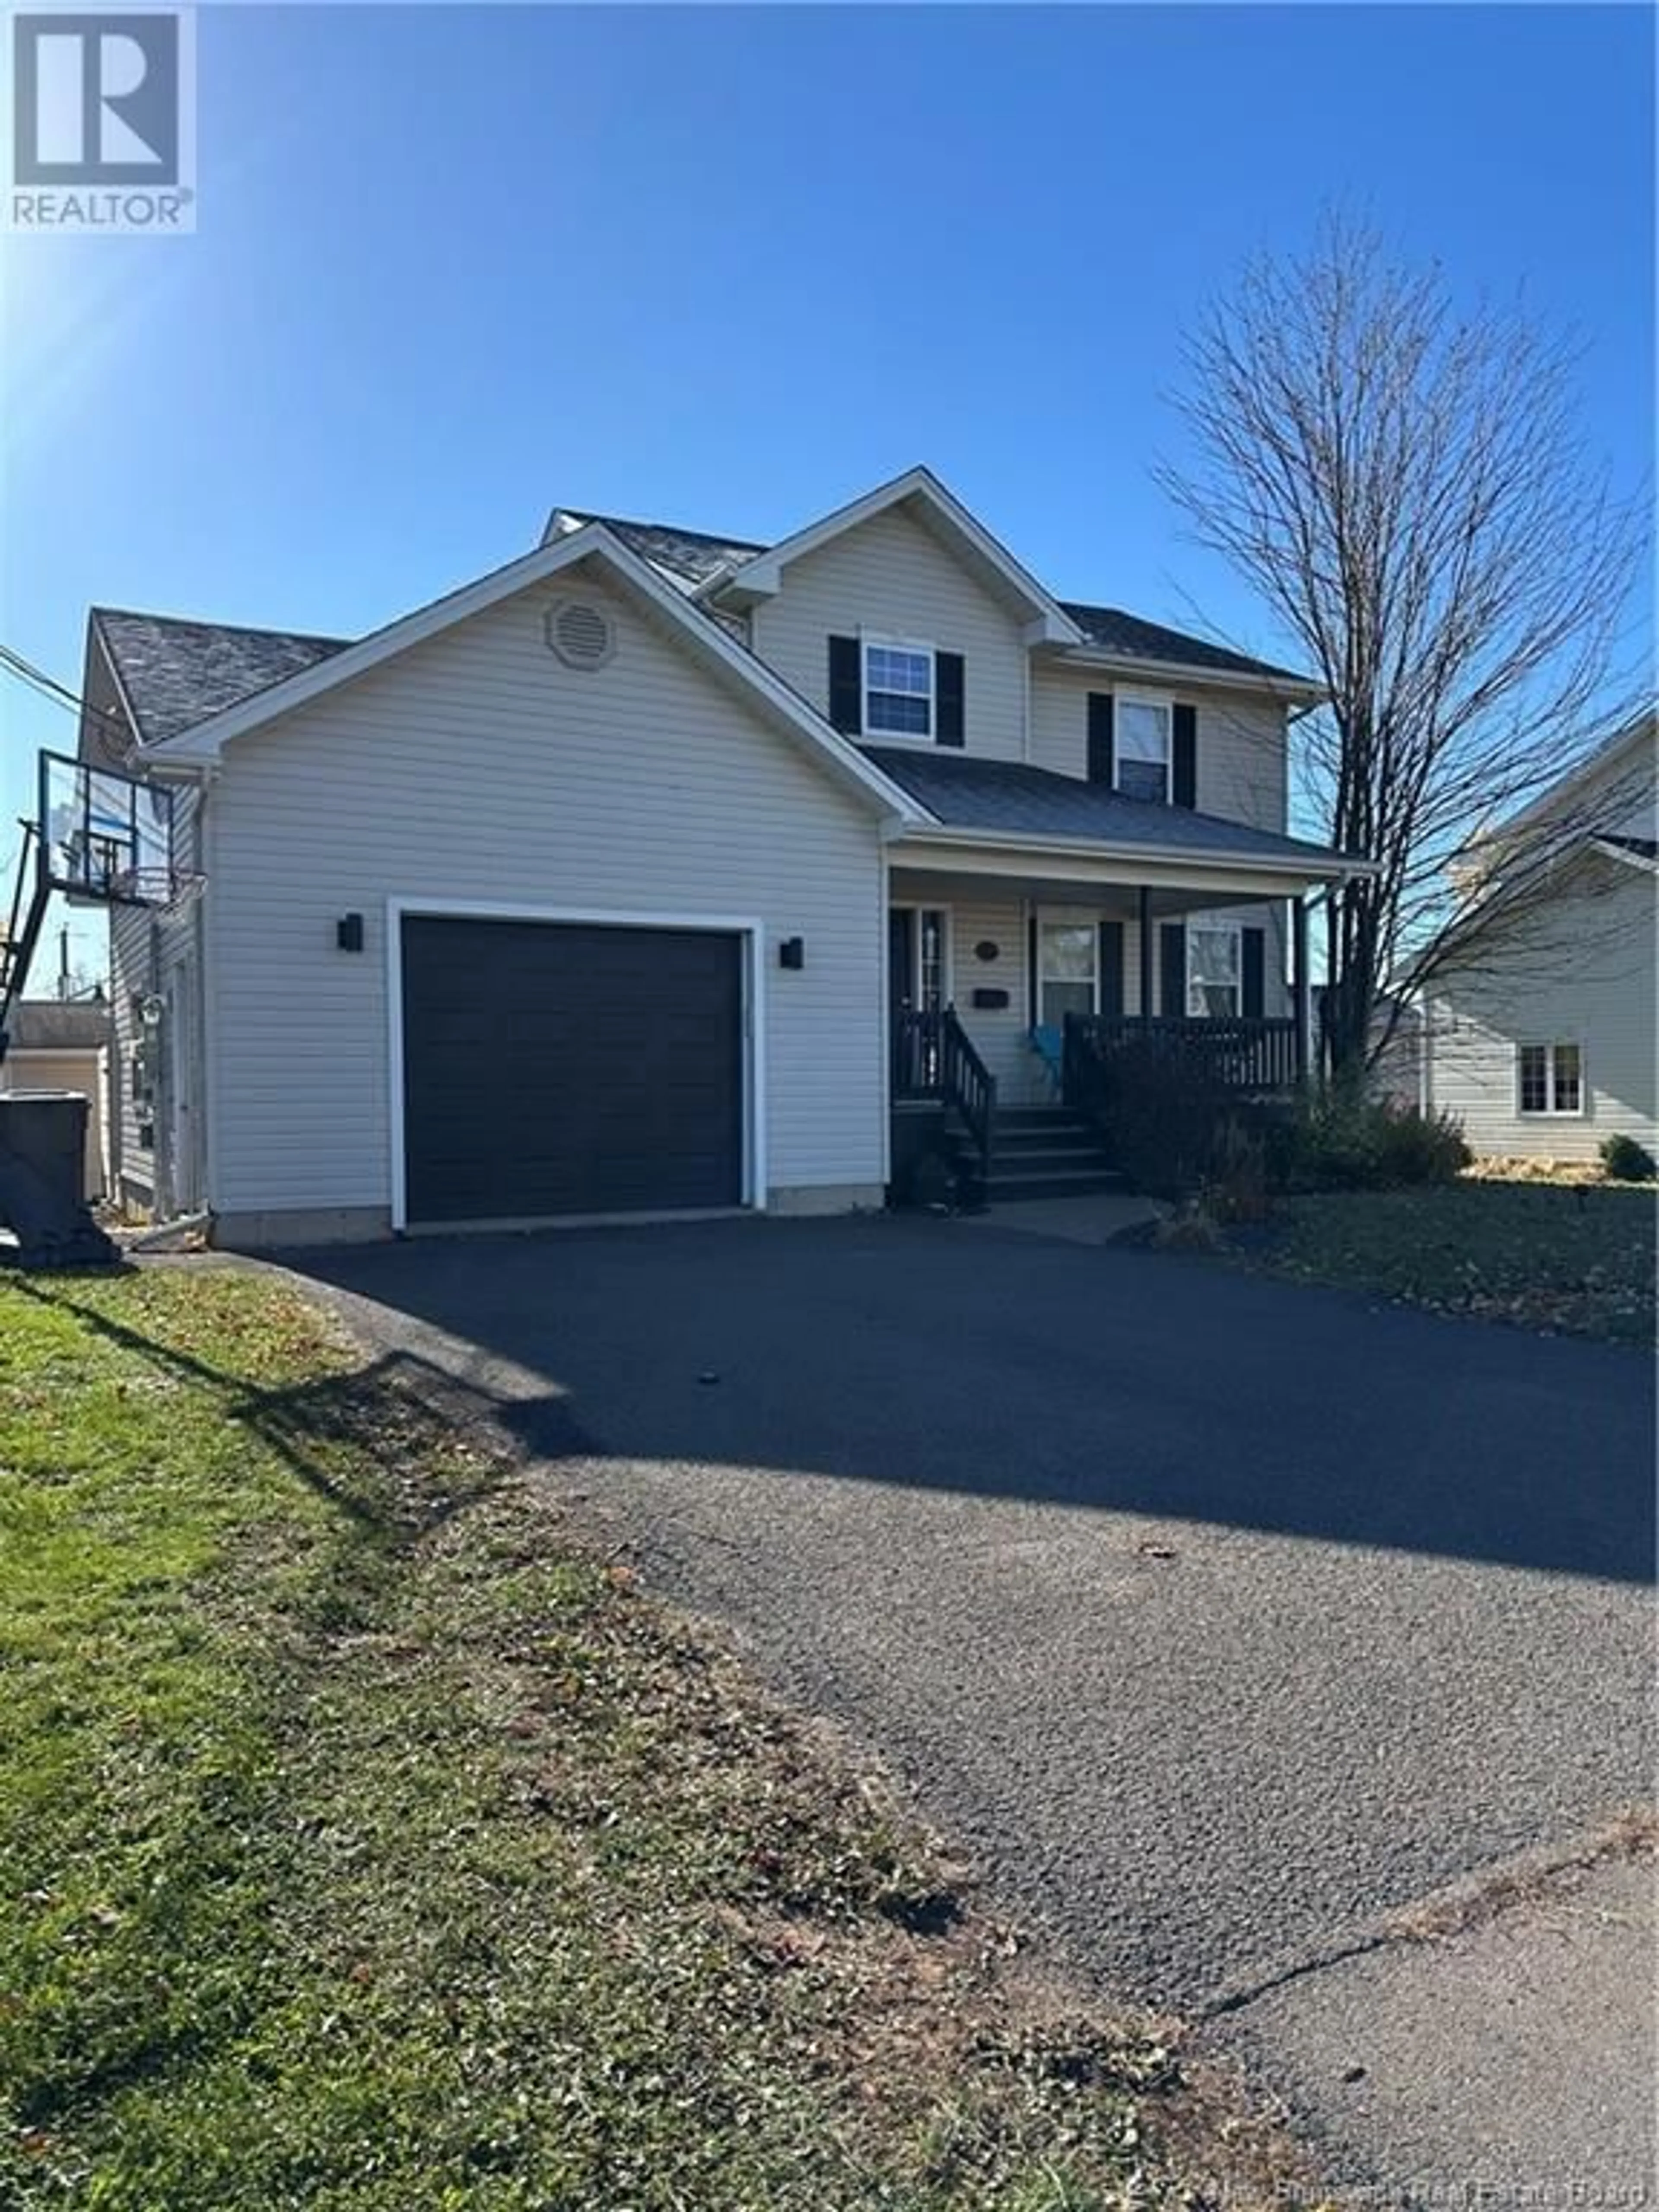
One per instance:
[(731, 266)]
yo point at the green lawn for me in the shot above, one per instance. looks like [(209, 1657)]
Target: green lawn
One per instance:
[(367, 1845), (1578, 1260)]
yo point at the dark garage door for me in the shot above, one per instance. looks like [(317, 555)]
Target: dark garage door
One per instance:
[(554, 1067)]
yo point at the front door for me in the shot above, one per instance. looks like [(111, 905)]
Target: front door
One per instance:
[(916, 959)]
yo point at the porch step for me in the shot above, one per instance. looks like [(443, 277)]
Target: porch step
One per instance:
[(1044, 1151)]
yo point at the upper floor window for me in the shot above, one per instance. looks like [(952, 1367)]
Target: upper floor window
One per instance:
[(1143, 750), (898, 689), (1552, 1079), (1214, 969)]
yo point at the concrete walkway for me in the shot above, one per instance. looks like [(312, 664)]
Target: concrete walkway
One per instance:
[(1093, 1219), (1222, 1620)]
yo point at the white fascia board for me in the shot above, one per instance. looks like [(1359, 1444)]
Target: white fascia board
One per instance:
[(1024, 844), (97, 643), (1138, 668), (1611, 849), (593, 542), (761, 578)]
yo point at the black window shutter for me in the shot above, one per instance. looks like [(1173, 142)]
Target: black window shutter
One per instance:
[(949, 698), (1252, 973), (1111, 969), (1172, 939), (846, 685), (1183, 766), (1033, 1003), (1102, 750)]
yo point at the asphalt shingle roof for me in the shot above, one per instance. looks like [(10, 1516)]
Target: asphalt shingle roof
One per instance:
[(692, 556), (176, 674), (1116, 632), (1036, 802)]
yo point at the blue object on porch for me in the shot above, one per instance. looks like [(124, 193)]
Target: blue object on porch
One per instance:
[(1049, 1046)]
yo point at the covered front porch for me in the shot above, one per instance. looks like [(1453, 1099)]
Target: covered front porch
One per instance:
[(1005, 992)]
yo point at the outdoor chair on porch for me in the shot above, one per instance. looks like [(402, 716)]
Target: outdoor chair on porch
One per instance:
[(1049, 1046)]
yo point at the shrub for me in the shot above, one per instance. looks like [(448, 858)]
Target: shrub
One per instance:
[(1163, 1116), (1626, 1161), (1338, 1142), (1237, 1190)]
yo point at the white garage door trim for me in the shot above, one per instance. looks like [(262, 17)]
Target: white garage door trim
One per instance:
[(745, 926)]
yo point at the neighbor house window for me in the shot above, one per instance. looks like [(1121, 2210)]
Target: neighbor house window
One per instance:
[(1552, 1079), (1212, 969), (1143, 750), (898, 689)]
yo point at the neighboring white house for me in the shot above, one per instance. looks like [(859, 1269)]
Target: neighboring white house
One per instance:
[(640, 874), (1540, 1034)]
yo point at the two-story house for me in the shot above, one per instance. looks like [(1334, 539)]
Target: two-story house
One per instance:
[(1538, 1030), (658, 872)]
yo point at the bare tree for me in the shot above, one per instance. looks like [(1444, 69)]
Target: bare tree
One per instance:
[(1405, 487)]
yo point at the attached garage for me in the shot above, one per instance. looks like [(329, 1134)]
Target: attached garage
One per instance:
[(554, 1067)]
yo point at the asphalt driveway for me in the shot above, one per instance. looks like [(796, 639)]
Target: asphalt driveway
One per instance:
[(1221, 1617)]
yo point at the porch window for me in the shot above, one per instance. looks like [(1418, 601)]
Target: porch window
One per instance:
[(898, 689), (1068, 971), (1552, 1079), (1143, 750), (1213, 969)]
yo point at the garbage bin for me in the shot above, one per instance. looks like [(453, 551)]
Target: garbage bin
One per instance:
[(43, 1139)]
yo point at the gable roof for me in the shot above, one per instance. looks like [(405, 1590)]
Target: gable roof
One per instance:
[(174, 674), (1009, 797), (688, 557), (714, 564), (761, 576), (321, 673), (59, 1024)]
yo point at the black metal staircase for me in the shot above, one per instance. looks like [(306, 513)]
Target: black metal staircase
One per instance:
[(30, 897)]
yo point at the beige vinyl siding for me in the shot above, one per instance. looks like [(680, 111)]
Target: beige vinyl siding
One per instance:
[(156, 953), (1584, 974), (1240, 741), (476, 768), (891, 576), (69, 1068), (132, 975), (1000, 1034)]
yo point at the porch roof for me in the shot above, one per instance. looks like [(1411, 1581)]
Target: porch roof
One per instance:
[(999, 799)]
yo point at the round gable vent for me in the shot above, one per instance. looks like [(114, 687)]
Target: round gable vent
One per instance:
[(582, 634)]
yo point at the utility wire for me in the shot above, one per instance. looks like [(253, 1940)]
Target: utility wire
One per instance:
[(12, 662)]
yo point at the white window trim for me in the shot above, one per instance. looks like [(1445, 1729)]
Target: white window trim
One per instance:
[(1551, 1046), (1063, 918), (921, 645), (1164, 706), (1236, 930)]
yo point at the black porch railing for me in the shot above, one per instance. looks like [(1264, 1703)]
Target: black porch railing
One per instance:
[(933, 1060), (1255, 1059)]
